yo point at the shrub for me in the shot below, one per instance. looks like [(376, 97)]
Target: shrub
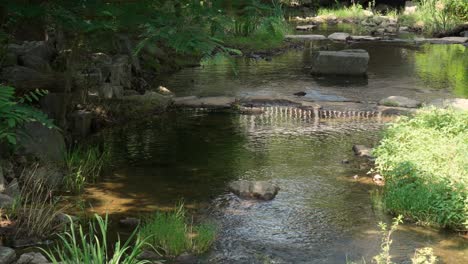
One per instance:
[(170, 233), (84, 165), (78, 246), (424, 160)]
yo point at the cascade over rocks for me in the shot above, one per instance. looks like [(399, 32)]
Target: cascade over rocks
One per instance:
[(261, 190)]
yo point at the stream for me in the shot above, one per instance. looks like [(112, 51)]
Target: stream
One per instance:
[(321, 214)]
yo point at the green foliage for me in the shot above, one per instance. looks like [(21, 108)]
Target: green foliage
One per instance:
[(170, 233), (91, 246), (355, 11), (84, 165), (384, 256), (424, 256), (437, 15), (14, 113), (424, 160)]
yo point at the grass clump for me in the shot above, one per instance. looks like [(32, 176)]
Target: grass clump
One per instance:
[(354, 11), (84, 165), (437, 16), (424, 160), (91, 246), (169, 232), (34, 210)]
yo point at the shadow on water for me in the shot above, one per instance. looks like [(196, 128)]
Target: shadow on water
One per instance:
[(321, 214)]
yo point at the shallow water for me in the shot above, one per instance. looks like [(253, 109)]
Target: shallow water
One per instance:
[(321, 214)]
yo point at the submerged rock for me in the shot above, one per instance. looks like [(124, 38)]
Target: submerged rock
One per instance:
[(254, 189), (345, 62), (362, 151), (400, 101), (7, 255), (129, 222)]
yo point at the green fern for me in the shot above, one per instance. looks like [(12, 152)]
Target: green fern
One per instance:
[(14, 113)]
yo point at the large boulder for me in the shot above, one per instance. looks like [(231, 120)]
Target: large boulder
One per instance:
[(400, 101), (7, 255), (25, 78), (5, 201), (345, 62), (254, 189), (56, 106), (43, 143), (34, 62), (32, 258), (81, 123)]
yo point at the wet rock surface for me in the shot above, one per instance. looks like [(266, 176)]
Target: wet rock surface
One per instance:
[(362, 151), (206, 102)]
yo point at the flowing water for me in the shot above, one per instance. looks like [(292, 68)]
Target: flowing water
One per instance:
[(321, 214)]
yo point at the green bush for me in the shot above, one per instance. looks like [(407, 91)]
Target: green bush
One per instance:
[(79, 246), (425, 163), (170, 233)]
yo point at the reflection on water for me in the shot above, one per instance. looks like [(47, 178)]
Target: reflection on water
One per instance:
[(440, 66), (321, 214), (425, 73)]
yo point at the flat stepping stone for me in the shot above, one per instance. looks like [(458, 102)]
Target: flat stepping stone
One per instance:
[(365, 38), (400, 101), (306, 27), (306, 37), (339, 36), (446, 40), (216, 102)]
